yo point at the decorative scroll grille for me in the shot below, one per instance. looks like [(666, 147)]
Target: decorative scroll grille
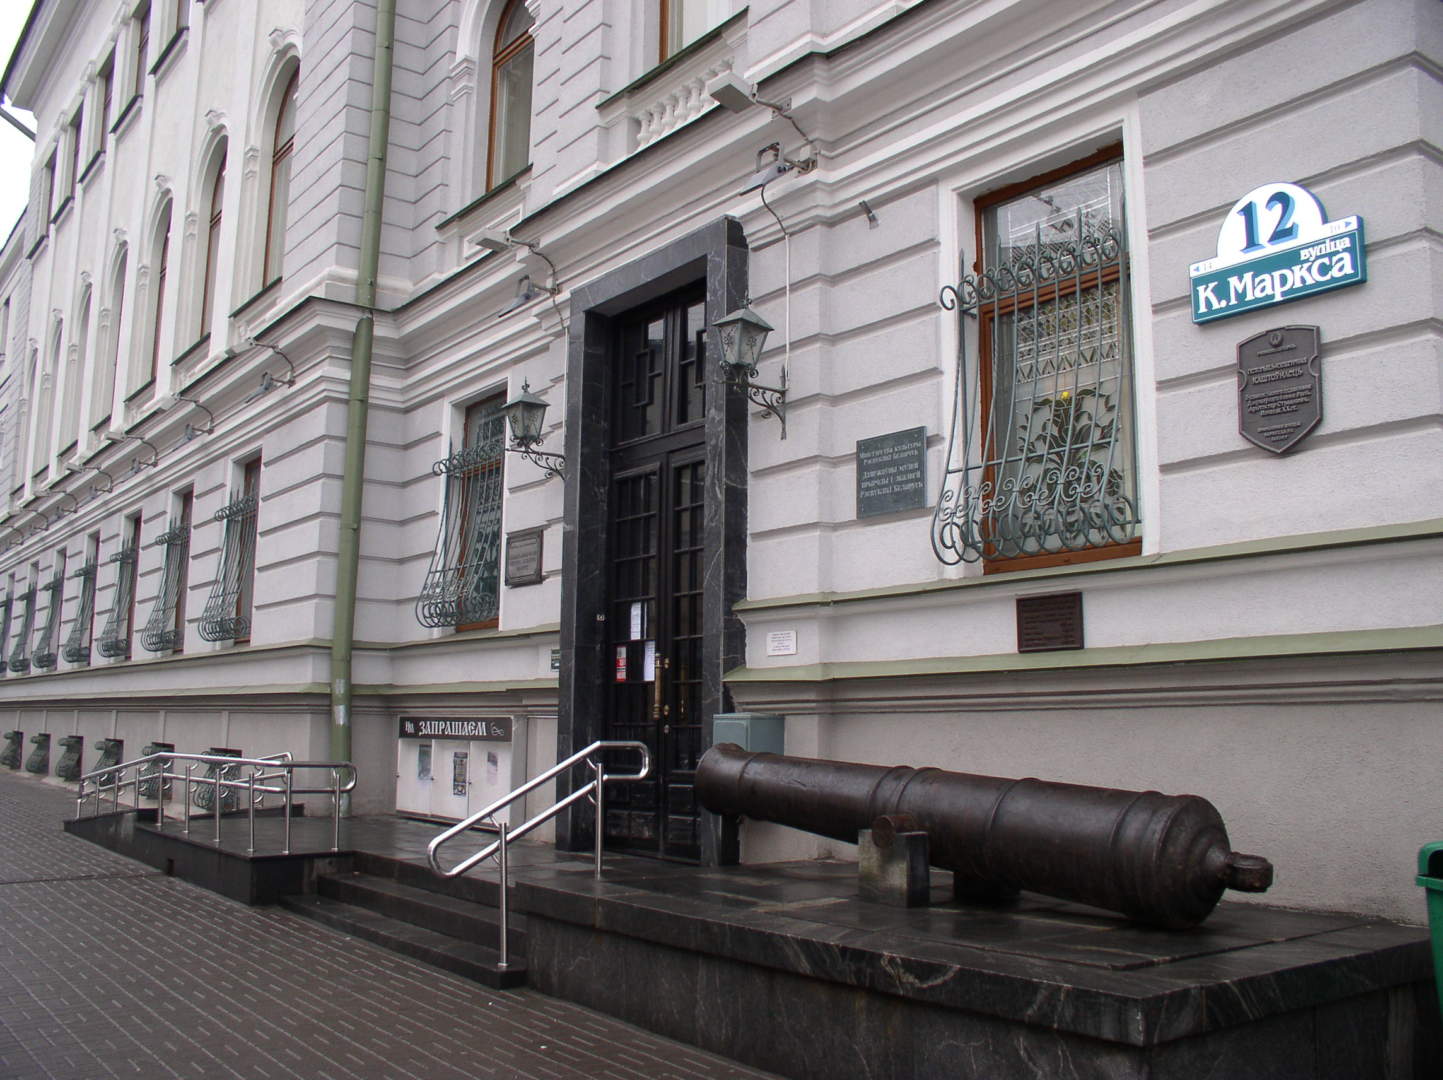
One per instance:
[(1040, 455), (44, 657), (225, 616), (160, 633), (20, 654), (77, 645), (7, 606), (462, 585), (114, 637)]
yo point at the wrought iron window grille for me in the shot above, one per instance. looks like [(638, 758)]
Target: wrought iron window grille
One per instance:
[(160, 633), (222, 618), (7, 607), (20, 654), (1039, 459), (115, 635), (44, 657), (462, 585), (77, 645)]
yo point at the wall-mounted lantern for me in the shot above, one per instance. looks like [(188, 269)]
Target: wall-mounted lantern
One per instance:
[(743, 333), (526, 415)]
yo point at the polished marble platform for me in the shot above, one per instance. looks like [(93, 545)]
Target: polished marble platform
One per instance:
[(784, 967)]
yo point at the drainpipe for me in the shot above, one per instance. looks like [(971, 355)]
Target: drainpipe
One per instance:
[(349, 548)]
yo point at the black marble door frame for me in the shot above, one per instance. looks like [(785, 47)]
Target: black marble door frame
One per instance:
[(716, 254)]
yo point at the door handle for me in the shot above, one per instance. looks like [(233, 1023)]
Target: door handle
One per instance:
[(658, 710)]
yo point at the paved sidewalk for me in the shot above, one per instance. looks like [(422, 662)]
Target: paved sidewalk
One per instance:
[(108, 968)]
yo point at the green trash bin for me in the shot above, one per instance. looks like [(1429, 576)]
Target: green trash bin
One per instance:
[(1430, 876)]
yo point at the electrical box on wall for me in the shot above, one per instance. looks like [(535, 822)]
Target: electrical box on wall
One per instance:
[(758, 732)]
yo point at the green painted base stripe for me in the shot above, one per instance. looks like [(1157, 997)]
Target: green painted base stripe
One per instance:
[(1281, 646)]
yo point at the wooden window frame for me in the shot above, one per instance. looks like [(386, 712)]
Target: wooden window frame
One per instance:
[(502, 53), (281, 153), (989, 312), (212, 245)]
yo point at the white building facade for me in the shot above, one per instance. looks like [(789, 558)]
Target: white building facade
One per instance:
[(982, 234)]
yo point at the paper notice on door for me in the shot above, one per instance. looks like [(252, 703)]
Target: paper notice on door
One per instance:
[(638, 620), (621, 663), (423, 761), (493, 768), (648, 662), (459, 778)]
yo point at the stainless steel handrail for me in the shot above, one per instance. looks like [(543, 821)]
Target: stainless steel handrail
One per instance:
[(258, 784), (593, 788)]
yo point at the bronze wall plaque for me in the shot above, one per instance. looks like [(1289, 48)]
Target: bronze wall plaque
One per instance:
[(1280, 386), (523, 557), (1048, 623), (892, 472)]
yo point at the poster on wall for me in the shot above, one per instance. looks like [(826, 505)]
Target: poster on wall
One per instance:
[(458, 772), (1276, 244)]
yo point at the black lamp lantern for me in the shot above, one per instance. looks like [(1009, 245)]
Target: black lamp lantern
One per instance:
[(525, 415), (742, 334)]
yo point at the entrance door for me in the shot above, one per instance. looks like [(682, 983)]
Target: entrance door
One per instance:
[(656, 558)]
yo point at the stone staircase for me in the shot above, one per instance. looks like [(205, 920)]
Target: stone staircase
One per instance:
[(452, 924)]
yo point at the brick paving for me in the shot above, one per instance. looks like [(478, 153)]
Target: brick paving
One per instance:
[(110, 969)]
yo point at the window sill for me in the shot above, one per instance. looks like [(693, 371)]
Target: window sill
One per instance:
[(100, 425), (255, 299), (62, 209), (505, 186), (91, 166), (173, 48), (131, 108), (40, 243), (676, 59), (190, 354), (140, 392), (1064, 558)]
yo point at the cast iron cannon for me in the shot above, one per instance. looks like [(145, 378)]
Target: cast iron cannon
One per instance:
[(1159, 859)]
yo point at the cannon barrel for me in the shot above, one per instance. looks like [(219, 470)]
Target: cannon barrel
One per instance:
[(1159, 859)]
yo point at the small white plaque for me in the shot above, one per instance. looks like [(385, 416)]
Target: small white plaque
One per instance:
[(637, 620), (648, 662), (782, 643)]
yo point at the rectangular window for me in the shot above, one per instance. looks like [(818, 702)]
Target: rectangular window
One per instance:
[(165, 629), (107, 94), (74, 136), (115, 636), (141, 41), (683, 21), (47, 187), (1048, 475), (77, 645), (462, 586), (227, 613), (54, 589)]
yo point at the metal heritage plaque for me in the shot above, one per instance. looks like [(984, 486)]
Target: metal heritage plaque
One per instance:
[(892, 472), (1048, 623), (1280, 386), (523, 558)]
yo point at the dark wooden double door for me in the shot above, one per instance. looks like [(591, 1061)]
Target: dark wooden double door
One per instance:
[(656, 559)]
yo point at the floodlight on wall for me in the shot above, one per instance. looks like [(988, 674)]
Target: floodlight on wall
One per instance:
[(743, 333), (526, 416), (268, 381), (76, 470), (526, 291), (172, 400), (116, 436)]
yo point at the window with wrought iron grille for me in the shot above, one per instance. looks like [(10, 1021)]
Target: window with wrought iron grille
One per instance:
[(462, 586), (1040, 470), (44, 657), (7, 608), (77, 645), (20, 653), (227, 612), (164, 631), (114, 640)]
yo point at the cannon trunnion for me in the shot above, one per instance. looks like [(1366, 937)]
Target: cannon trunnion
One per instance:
[(1159, 859)]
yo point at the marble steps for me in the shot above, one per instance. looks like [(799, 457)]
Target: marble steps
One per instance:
[(453, 934)]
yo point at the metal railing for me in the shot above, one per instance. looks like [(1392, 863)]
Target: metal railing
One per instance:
[(273, 774), (593, 789)]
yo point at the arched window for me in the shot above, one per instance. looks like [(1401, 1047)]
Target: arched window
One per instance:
[(74, 374), (511, 63), (103, 384), (45, 403), (162, 269), (281, 147), (212, 244)]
